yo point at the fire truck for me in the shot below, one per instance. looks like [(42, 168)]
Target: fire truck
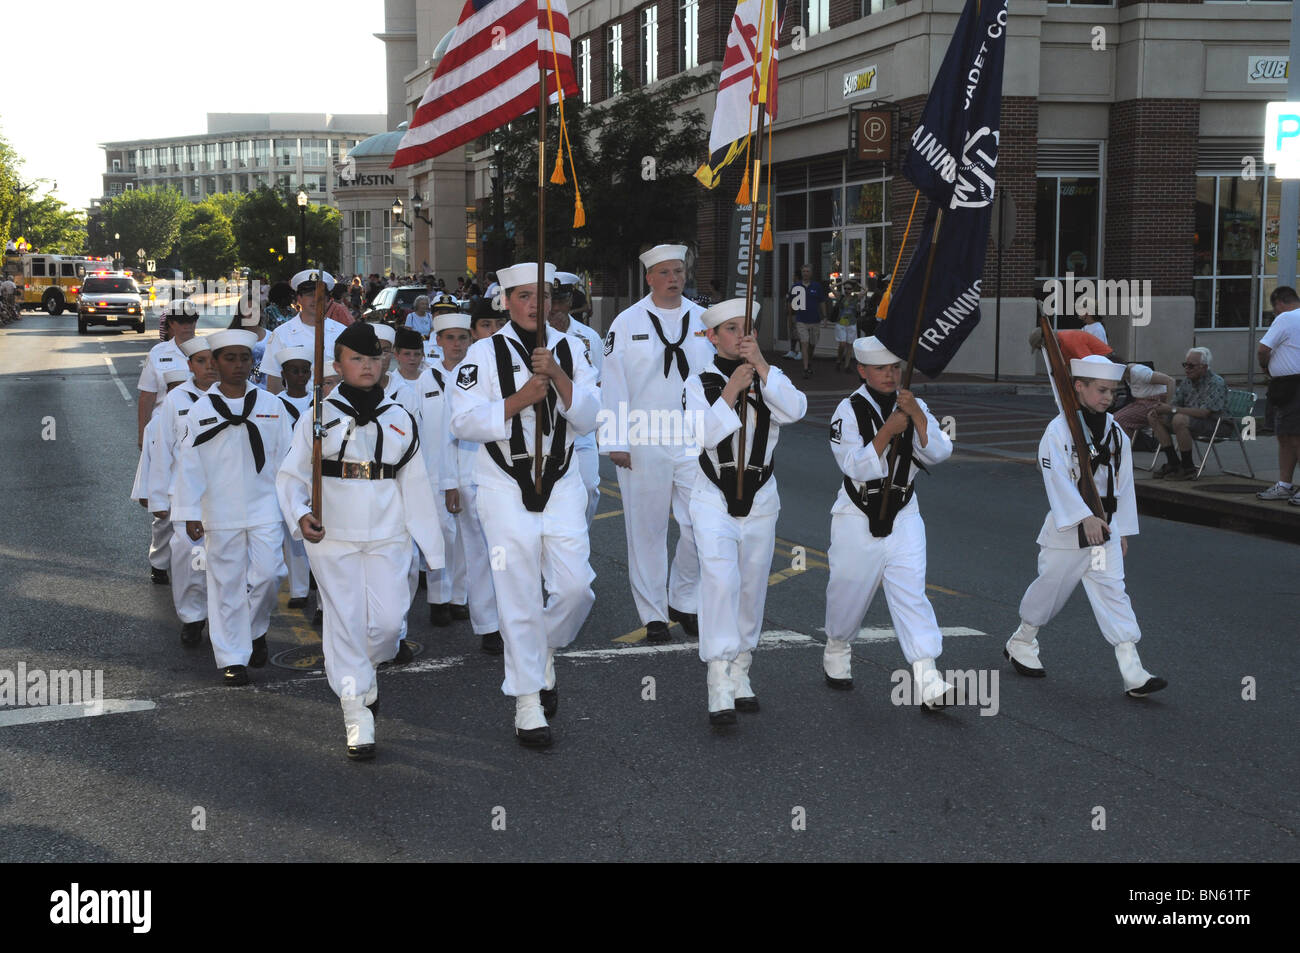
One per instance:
[(51, 282)]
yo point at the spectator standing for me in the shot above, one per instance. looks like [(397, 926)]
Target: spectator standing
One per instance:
[(807, 304), (1279, 355)]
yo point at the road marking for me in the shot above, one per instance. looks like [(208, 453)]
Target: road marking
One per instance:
[(772, 638), (601, 516), (887, 635), (42, 713), (126, 394)]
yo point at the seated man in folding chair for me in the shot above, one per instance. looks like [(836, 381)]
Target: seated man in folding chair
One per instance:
[(1199, 400)]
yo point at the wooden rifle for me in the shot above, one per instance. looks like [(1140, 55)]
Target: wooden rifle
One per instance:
[(318, 403)]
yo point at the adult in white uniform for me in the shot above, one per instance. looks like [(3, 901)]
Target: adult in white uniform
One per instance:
[(866, 550), (584, 448), (651, 350), (189, 578), (526, 369), (1076, 545), (225, 489), (300, 330), (180, 319), (735, 532), (376, 497)]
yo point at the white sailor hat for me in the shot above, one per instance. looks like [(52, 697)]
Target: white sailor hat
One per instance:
[(231, 338), (871, 351), (724, 311), (285, 355), (195, 344), (1096, 366), (182, 309), (311, 275), (385, 332), (177, 375), (449, 320), (567, 278), (663, 253), (524, 273)]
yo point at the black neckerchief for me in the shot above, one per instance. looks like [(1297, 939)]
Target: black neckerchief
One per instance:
[(885, 402), (230, 419), (364, 402), (1096, 421), (673, 349), (527, 338), (726, 365)]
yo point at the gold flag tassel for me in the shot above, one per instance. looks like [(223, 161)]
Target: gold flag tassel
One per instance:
[(557, 176), (882, 312), (765, 243)]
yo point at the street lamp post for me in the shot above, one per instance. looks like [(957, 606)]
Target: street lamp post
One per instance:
[(397, 216), (302, 215), (117, 252)]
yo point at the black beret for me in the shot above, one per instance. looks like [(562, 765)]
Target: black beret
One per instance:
[(408, 338)]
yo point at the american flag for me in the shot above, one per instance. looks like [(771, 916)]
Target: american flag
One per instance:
[(489, 74)]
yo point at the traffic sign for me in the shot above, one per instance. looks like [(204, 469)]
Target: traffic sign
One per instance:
[(148, 266), (1282, 138)]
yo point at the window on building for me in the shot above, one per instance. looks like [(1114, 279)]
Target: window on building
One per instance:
[(149, 159), (1067, 234), (650, 45), (262, 152), (117, 165), (395, 258), (582, 66), (314, 181), (286, 152), (130, 186), (225, 152), (244, 153), (614, 59), (209, 155), (284, 183), (115, 188), (815, 16), (315, 153), (211, 183), (688, 33), (196, 187), (359, 222), (868, 7), (133, 160)]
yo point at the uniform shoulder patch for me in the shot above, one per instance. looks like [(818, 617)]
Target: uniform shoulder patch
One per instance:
[(609, 343), (468, 376), (1046, 462), (837, 429)]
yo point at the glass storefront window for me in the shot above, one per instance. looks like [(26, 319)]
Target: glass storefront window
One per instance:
[(1079, 211), (360, 225), (825, 205), (791, 211), (1238, 225), (865, 204)]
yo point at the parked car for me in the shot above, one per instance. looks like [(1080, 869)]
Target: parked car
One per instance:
[(392, 304), (112, 300)]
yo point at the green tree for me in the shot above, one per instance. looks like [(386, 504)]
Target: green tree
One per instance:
[(9, 190), (146, 218), (206, 247), (265, 219), (49, 225)]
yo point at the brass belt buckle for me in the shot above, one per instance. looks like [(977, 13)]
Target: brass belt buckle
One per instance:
[(356, 471)]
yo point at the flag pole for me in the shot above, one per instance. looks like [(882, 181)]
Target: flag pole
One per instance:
[(749, 294), (318, 381), (887, 496), (539, 409)]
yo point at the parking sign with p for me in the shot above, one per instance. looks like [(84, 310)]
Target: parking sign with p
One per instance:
[(1282, 139)]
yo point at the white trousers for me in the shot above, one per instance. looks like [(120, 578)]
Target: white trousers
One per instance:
[(481, 591), (657, 483), (189, 580), (554, 541), (860, 563), (364, 594), (412, 585), (1102, 572), (160, 536), (295, 558), (588, 459), (735, 555), (245, 569), (448, 583)]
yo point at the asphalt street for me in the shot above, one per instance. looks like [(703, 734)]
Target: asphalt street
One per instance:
[(1195, 773)]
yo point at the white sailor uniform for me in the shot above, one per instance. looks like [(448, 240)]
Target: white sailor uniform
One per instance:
[(865, 551), (405, 394), (226, 478), (376, 498), (162, 357), (293, 333), (736, 536), (584, 448), (539, 540), (650, 353), (189, 578), (447, 585), (295, 550)]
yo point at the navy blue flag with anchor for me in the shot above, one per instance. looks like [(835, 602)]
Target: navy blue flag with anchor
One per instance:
[(953, 160)]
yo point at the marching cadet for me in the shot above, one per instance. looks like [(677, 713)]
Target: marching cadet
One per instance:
[(189, 578), (376, 497), (651, 350), (460, 488), (867, 550), (584, 448), (446, 589), (404, 350), (180, 318), (408, 355), (1074, 544), (225, 489), (295, 367), (524, 370), (735, 532), (300, 330)]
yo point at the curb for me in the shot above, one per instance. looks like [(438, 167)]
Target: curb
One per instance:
[(1281, 523)]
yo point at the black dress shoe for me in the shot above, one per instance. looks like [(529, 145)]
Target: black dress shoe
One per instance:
[(298, 602), (749, 704), (550, 701), (459, 613), (491, 643), (258, 658), (841, 684), (657, 632), (1025, 669), (311, 582), (159, 577), (439, 614), (689, 621), (318, 617), (233, 675), (361, 752), (192, 633), (725, 717), (1153, 684), (534, 737), (404, 653)]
